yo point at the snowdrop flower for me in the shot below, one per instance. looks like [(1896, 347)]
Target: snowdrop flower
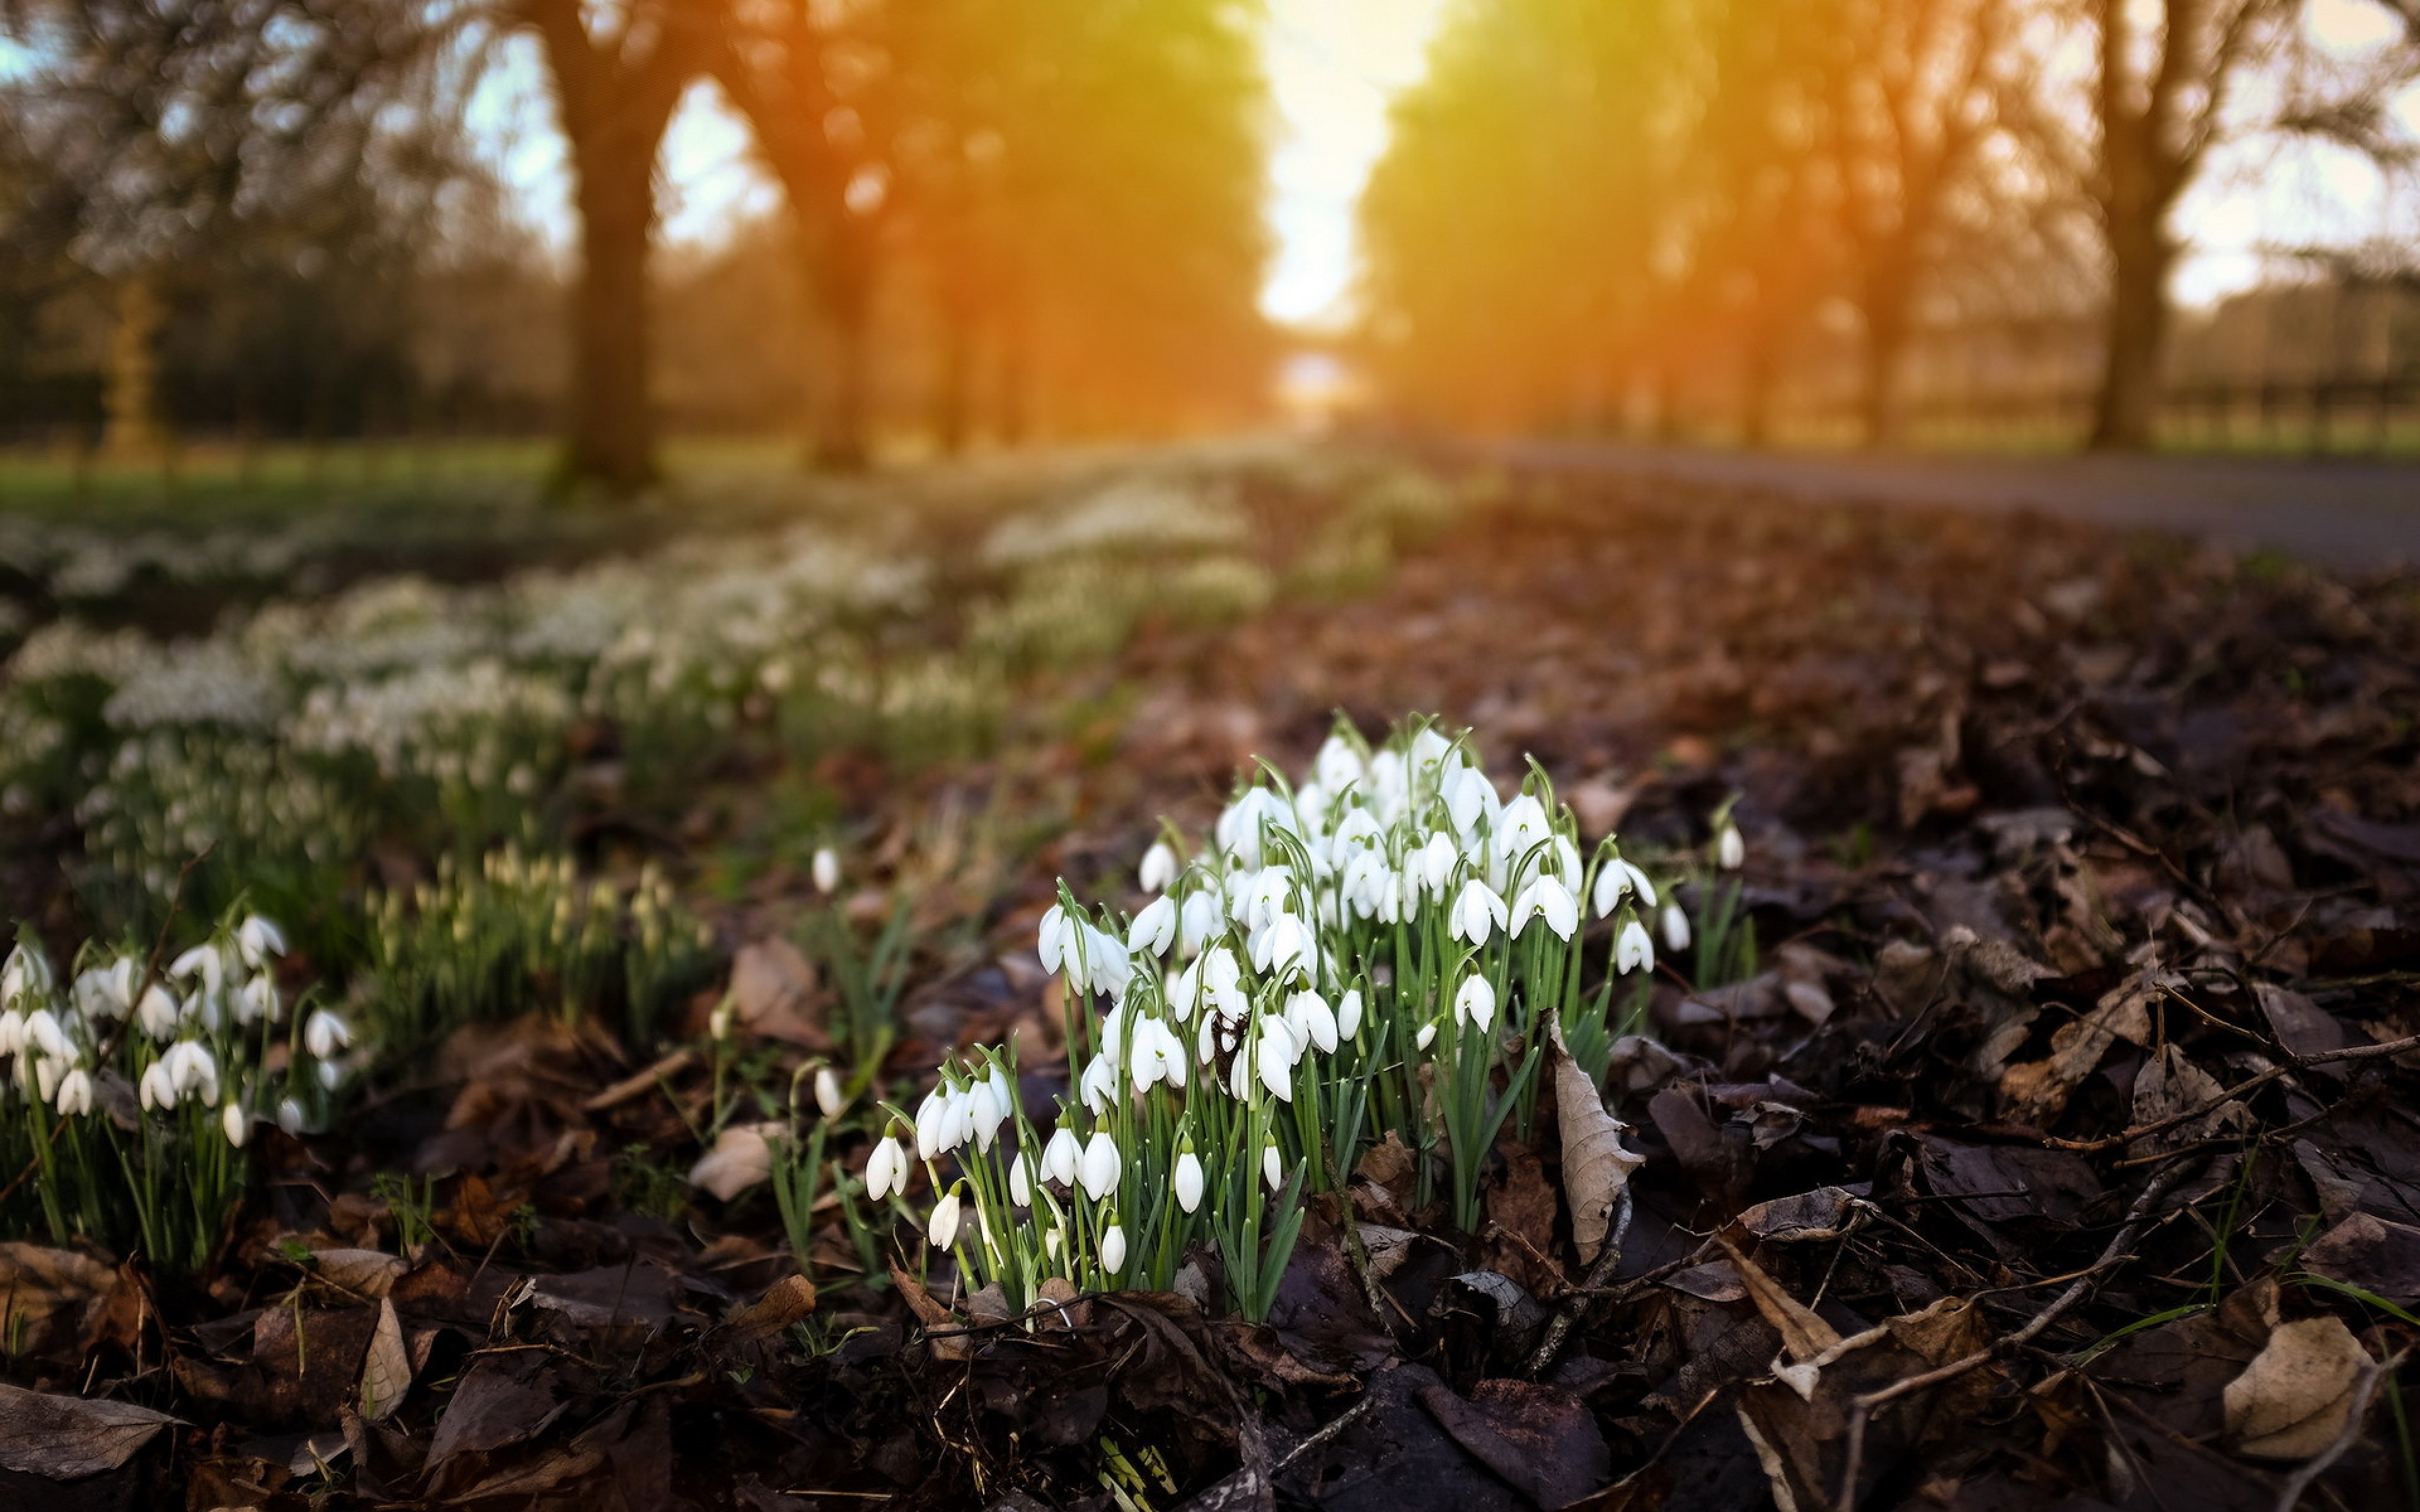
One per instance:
[(1158, 870), (106, 993), (1223, 979), (1356, 833), (829, 1095), (289, 1116), (958, 1110), (1238, 830), (1113, 1249), (1055, 937), (1061, 1156), (331, 1075), (1271, 896), (1184, 993), (1099, 1171), (1475, 1003), (1337, 765), (1309, 1019), (158, 1088), (1109, 964), (158, 1014), (1154, 930), (256, 1001), (1475, 908), (1368, 885), (75, 1093), (12, 1032), (987, 1105), (1676, 929), (1283, 946), (26, 970), (1272, 1170), (1188, 1181), (1547, 898), (719, 1023), (1348, 1013), (258, 941), (1274, 1056), (46, 1078), (1730, 852), (1521, 827), (192, 1068), (1427, 1036), (886, 1169), (1020, 1182), (1633, 948), (1437, 861), (1098, 1086), (1197, 921), (944, 1228), (1468, 798), (201, 961), (1158, 1055), (43, 1033), (825, 870), (1616, 877), (934, 1116), (236, 1124), (324, 1034)]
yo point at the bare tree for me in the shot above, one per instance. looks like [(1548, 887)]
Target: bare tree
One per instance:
[(617, 80)]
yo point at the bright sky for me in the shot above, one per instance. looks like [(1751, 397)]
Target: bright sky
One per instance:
[(1333, 65)]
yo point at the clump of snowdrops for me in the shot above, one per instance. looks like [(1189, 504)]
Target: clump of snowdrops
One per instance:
[(1383, 948), (132, 1087), (521, 932)]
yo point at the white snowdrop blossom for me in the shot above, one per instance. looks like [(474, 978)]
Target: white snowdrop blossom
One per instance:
[(1154, 930), (1476, 908), (1676, 929), (1474, 1003), (1113, 1249), (1158, 870), (1101, 1166), (1634, 950), (324, 1035), (943, 1230), (1730, 852), (1188, 1181), (824, 870), (1546, 899), (831, 1099), (886, 1169)]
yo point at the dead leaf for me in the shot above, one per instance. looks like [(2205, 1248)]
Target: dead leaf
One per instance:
[(50, 1298), (386, 1370), (366, 1273), (2038, 1090), (2293, 1399), (787, 1302), (1802, 1334), (741, 1157), (1596, 1168), (2168, 1085), (67, 1438), (1540, 1438)]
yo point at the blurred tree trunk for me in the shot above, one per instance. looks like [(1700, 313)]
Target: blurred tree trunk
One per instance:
[(2159, 96), (842, 272), (1884, 304), (131, 405), (616, 94)]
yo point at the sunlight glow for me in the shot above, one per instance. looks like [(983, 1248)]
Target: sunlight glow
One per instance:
[(1333, 65)]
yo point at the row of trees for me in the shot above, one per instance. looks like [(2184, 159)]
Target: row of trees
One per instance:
[(1056, 200), (1591, 200)]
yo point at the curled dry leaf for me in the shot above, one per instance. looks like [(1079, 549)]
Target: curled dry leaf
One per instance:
[(2291, 1401), (1596, 1168), (741, 1157), (67, 1438), (386, 1370), (1802, 1334)]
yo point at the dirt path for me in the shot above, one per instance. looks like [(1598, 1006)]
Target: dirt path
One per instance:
[(2351, 515)]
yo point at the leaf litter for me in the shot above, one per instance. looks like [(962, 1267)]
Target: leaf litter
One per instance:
[(2050, 1144)]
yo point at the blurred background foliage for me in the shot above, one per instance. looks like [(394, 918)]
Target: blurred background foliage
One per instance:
[(229, 223)]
